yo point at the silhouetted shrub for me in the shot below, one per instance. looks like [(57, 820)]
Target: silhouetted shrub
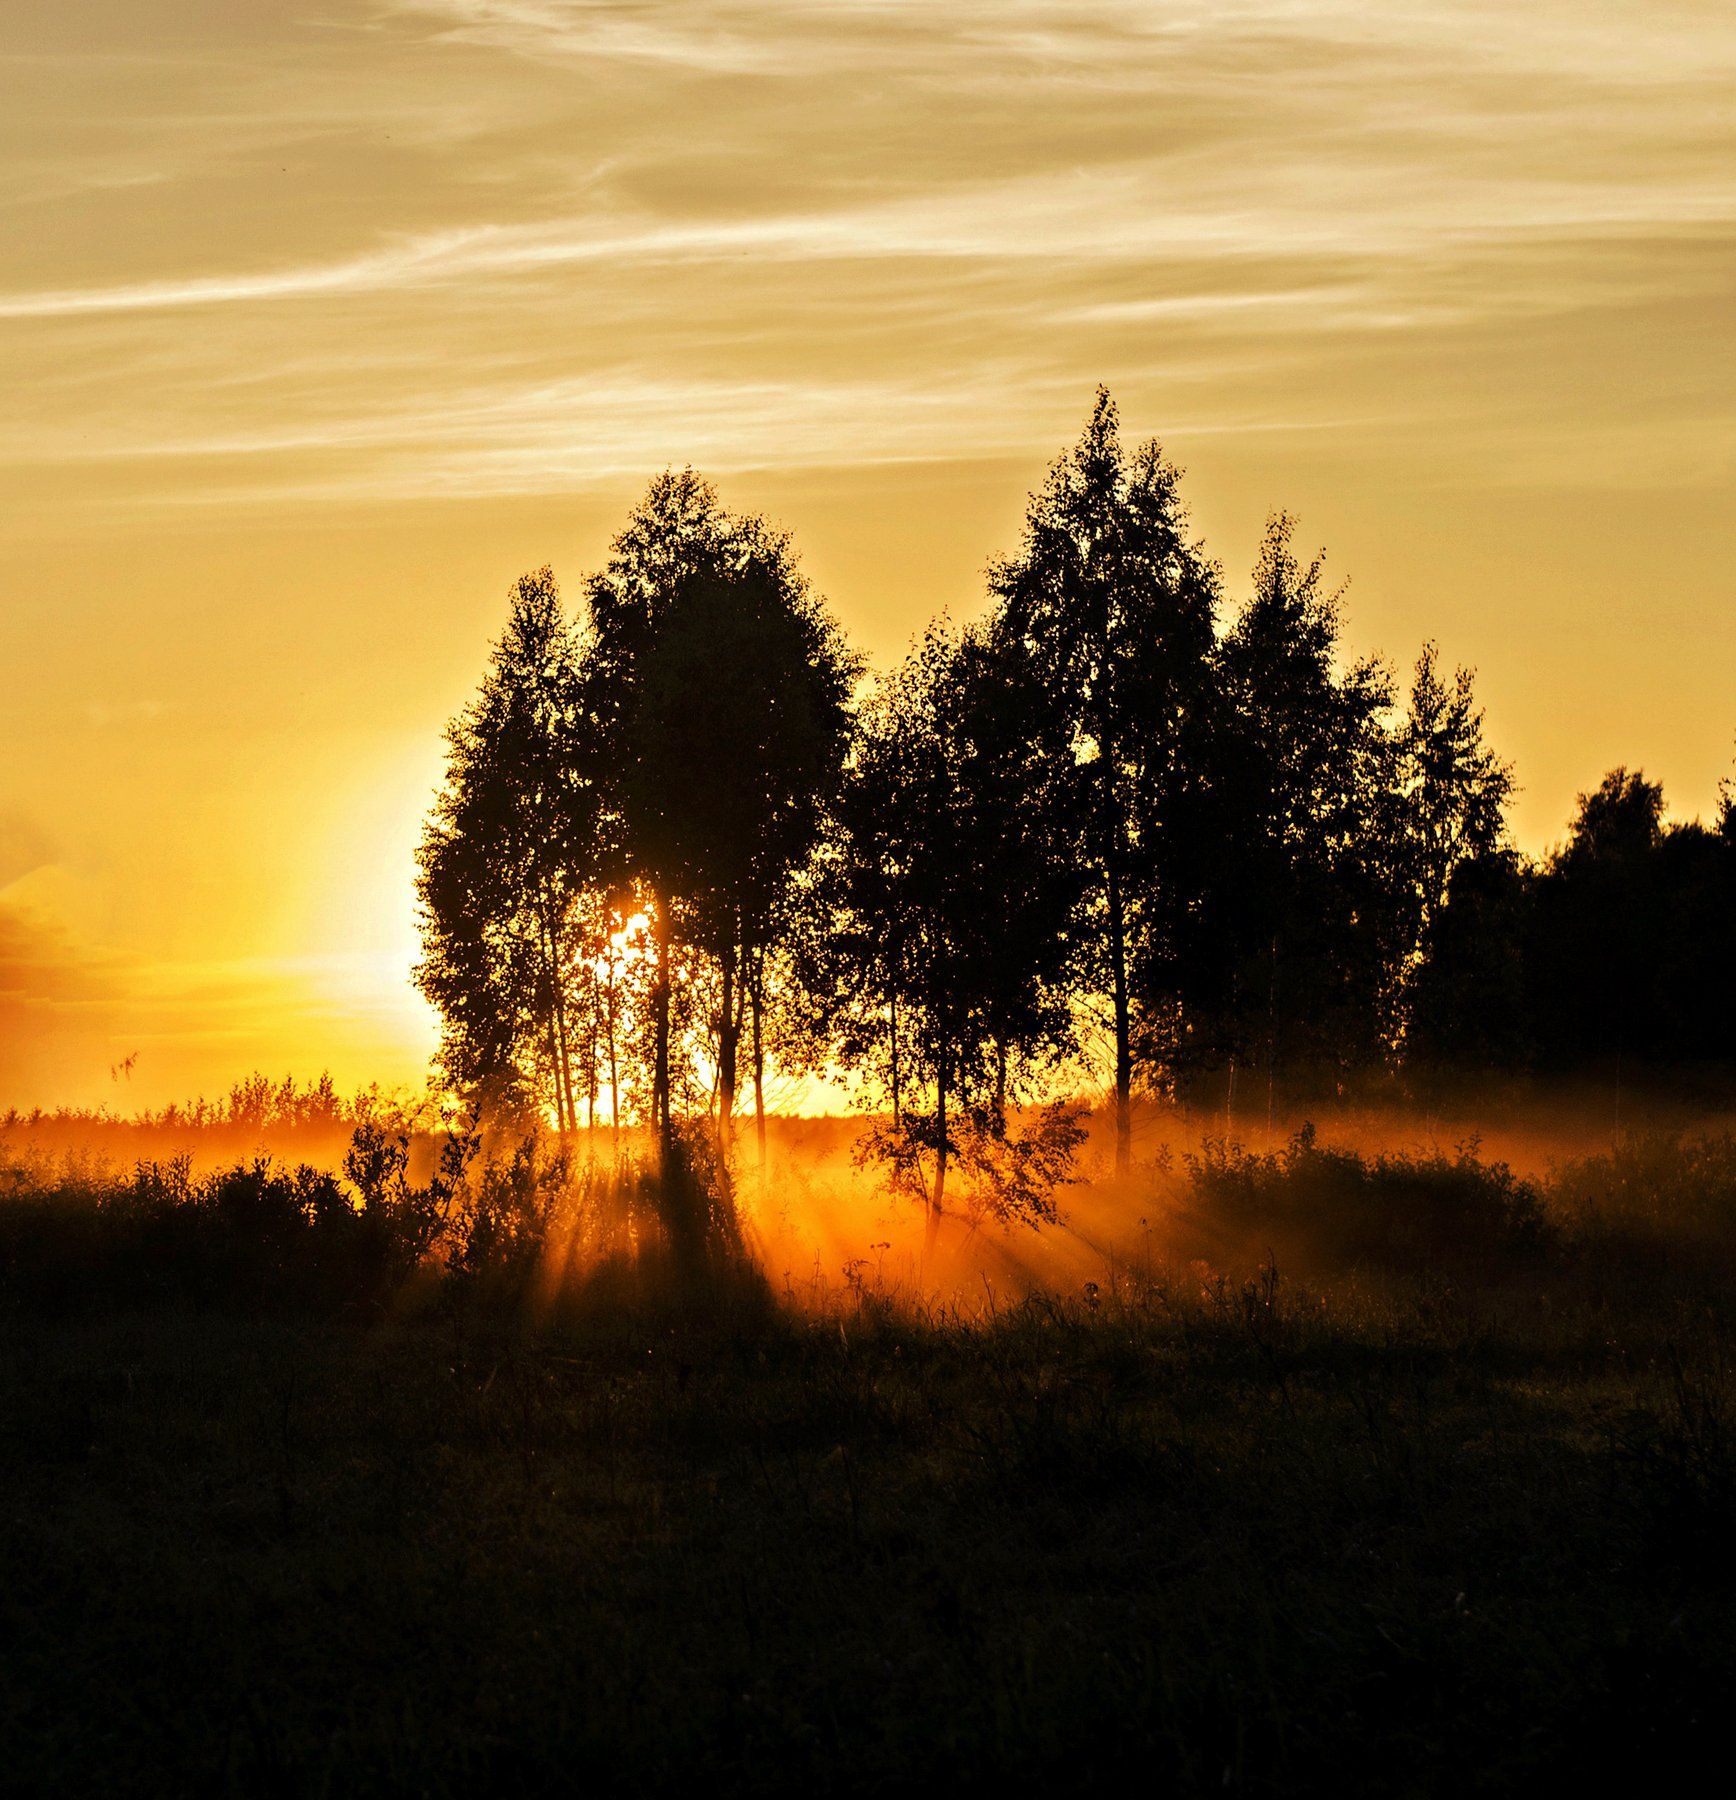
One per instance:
[(1655, 1200), (501, 1223), (1332, 1208), (256, 1234)]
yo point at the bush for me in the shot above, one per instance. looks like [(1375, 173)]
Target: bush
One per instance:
[(1328, 1208), (1656, 1201), (511, 1229), (254, 1235)]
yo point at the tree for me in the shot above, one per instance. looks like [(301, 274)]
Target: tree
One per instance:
[(1469, 1005), (517, 831), (1020, 820), (1614, 953), (724, 691), (1448, 803), (1112, 608), (1620, 821), (1629, 954), (1300, 762), (941, 979)]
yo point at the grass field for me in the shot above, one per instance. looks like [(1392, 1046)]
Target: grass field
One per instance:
[(1417, 1523)]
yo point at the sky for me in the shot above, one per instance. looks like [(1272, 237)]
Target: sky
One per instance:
[(322, 319)]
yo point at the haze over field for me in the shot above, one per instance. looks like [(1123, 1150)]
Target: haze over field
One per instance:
[(320, 322)]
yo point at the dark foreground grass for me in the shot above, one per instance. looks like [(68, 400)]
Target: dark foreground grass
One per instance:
[(1224, 1539)]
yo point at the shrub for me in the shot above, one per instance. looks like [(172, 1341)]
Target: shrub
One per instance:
[(1331, 1208), (1656, 1200), (256, 1234)]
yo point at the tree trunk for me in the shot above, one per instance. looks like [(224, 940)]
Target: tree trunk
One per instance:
[(937, 1194), (1271, 1037), (591, 1078), (728, 1044), (566, 1060), (614, 1067), (554, 1056), (565, 1111), (756, 1008), (1123, 1033), (660, 1105)]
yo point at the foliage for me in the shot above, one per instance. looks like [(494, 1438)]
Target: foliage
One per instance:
[(517, 832), (1451, 794), (1112, 607), (941, 973), (1302, 767), (1006, 1170), (1330, 1208), (1655, 1201), (1611, 956), (722, 689), (255, 1234)]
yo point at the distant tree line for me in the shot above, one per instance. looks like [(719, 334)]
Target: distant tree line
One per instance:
[(1617, 952), (1110, 834)]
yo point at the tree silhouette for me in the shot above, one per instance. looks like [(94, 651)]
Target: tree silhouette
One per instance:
[(1598, 935), (516, 832), (1113, 607), (1093, 808), (1302, 760), (942, 974), (1620, 821), (1448, 806), (723, 691), (1469, 1002), (1611, 957)]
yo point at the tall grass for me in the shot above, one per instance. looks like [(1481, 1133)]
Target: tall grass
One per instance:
[(524, 1223), (1335, 1209)]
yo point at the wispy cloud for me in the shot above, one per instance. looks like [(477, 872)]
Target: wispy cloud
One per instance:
[(437, 254), (1117, 214)]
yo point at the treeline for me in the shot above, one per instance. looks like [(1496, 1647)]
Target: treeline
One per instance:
[(256, 1103), (1111, 832), (310, 1119), (1616, 954)]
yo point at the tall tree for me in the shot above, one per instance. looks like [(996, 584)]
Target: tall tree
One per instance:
[(1600, 932), (1300, 762), (1018, 808), (517, 831), (1468, 1006), (1448, 806), (1613, 956), (1113, 606), (942, 974), (724, 688)]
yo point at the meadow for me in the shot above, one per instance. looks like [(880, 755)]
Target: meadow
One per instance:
[(1351, 1465)]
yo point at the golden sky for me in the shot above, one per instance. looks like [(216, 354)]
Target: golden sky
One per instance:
[(321, 319)]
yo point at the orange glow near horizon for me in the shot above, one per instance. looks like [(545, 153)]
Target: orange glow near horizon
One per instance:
[(320, 322)]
